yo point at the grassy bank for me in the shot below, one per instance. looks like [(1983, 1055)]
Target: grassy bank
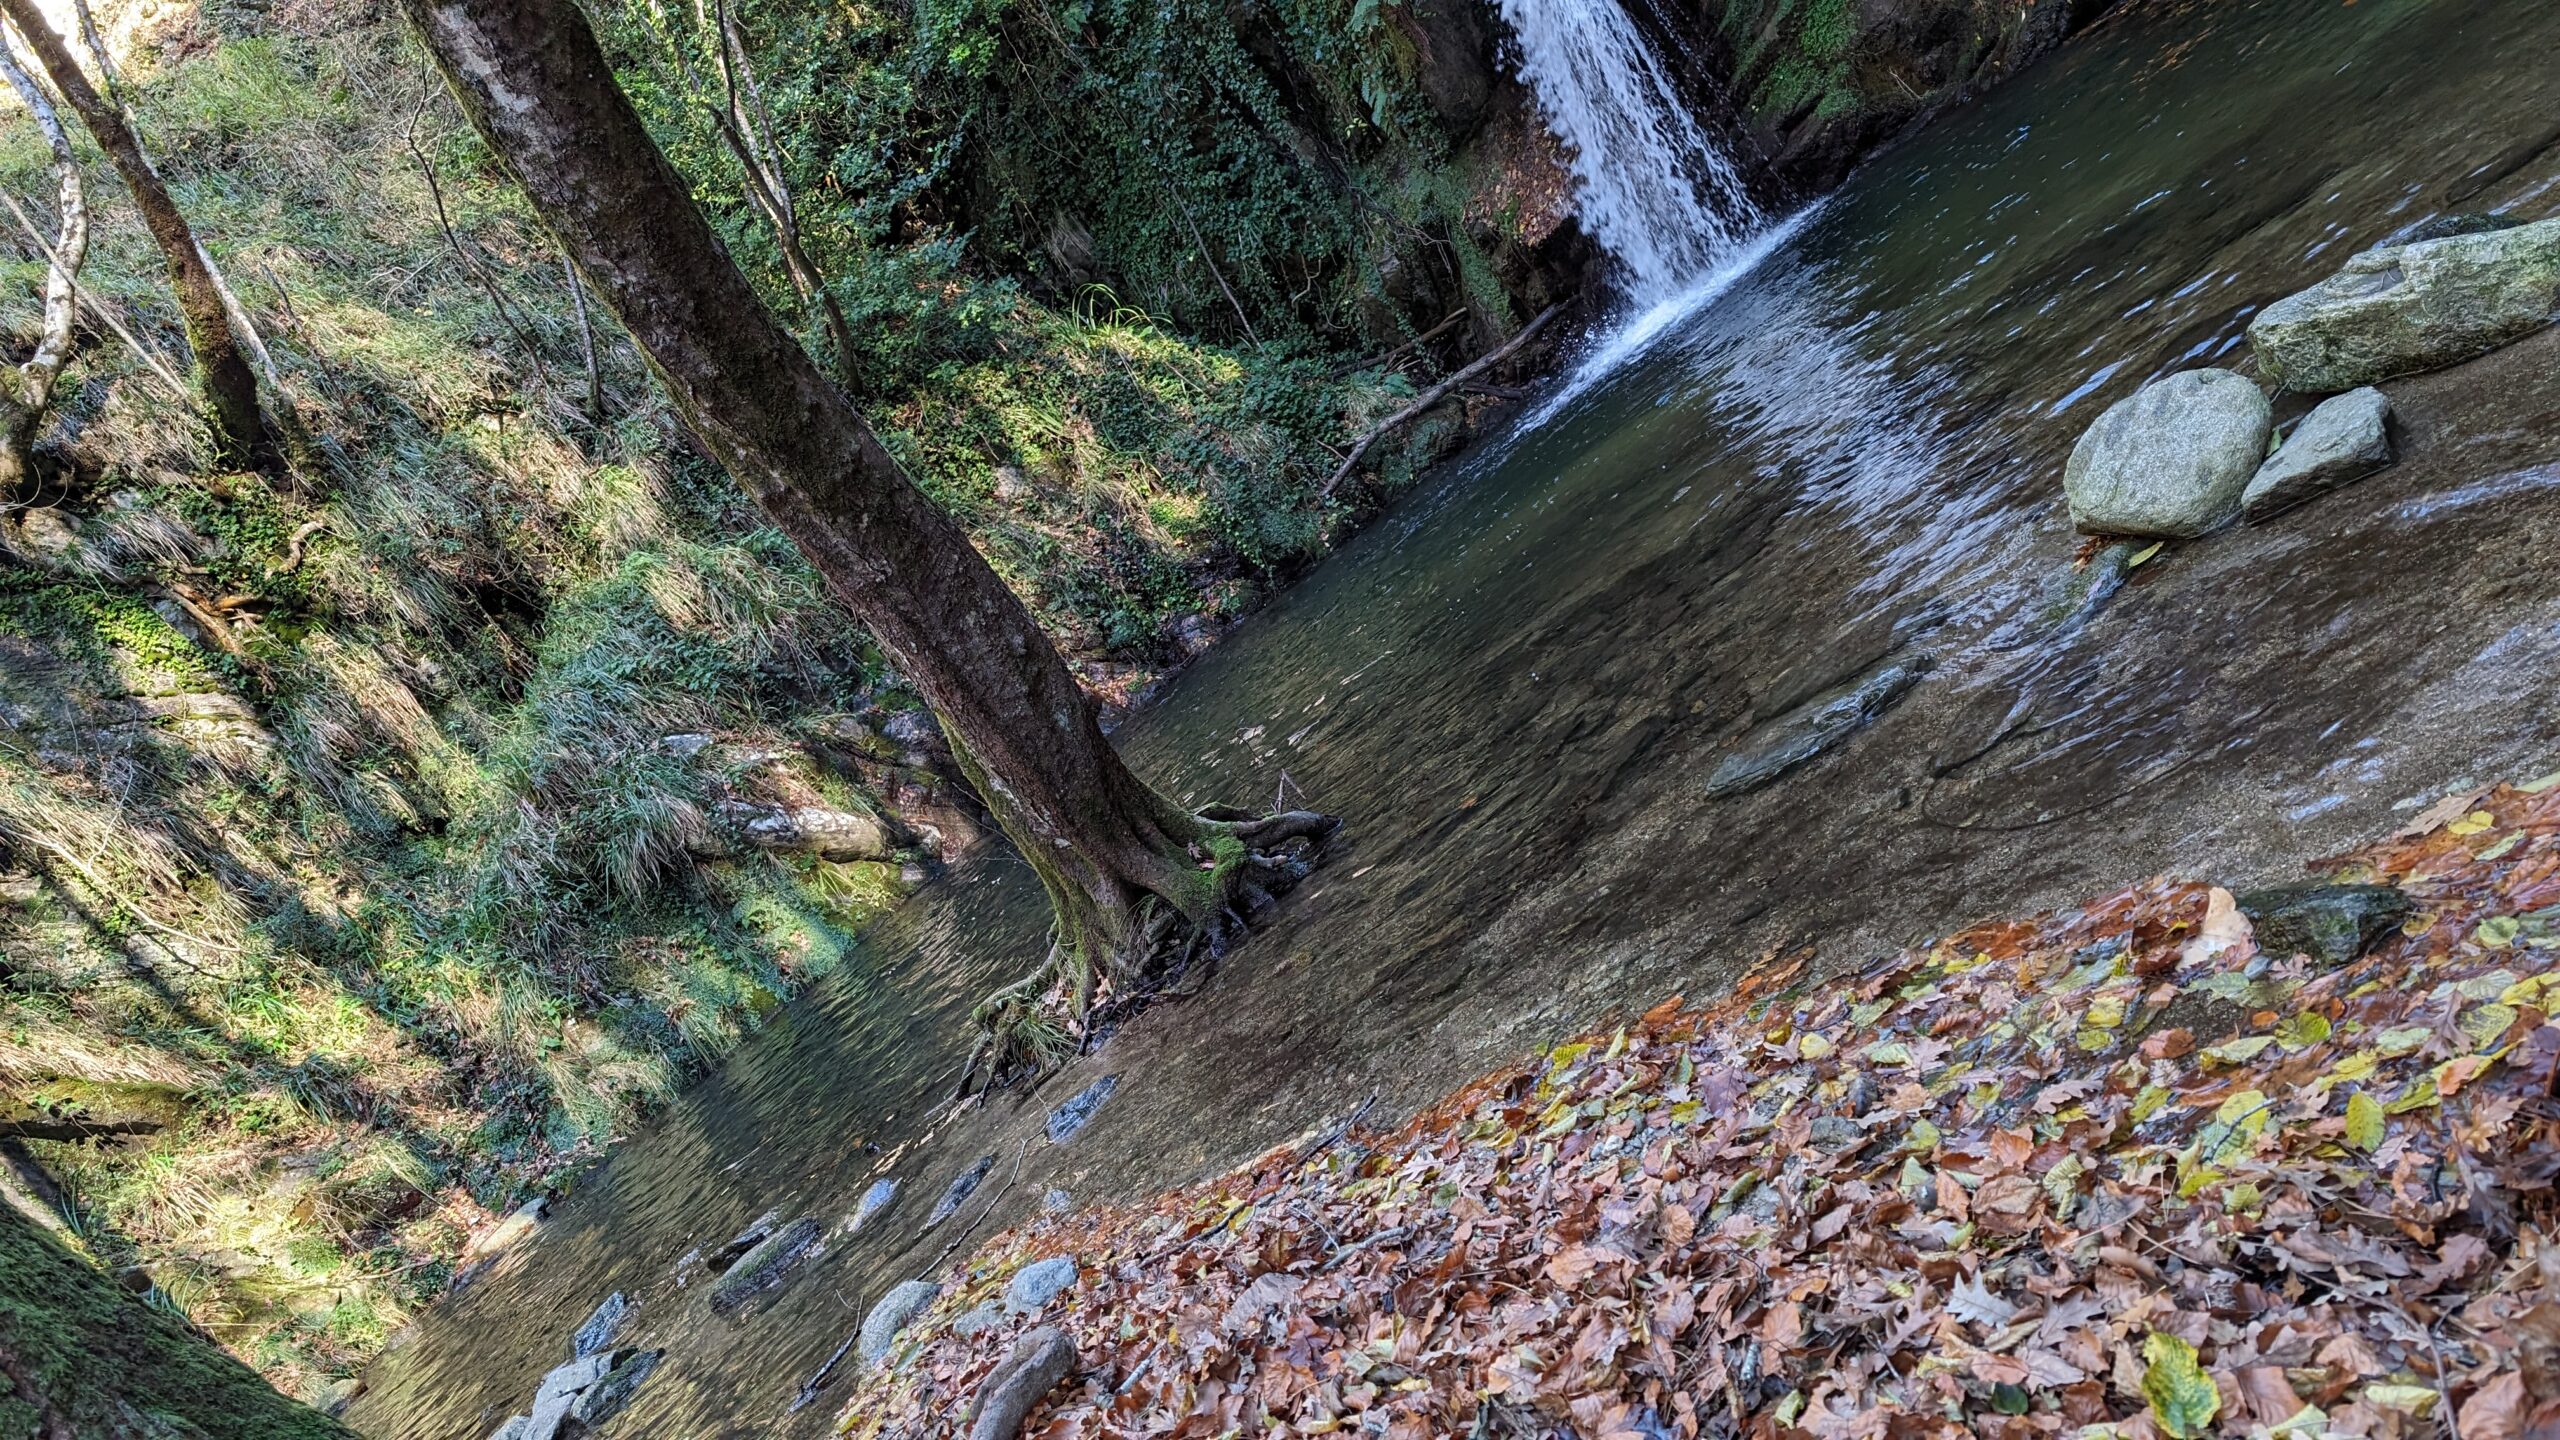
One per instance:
[(372, 836), (2141, 1168)]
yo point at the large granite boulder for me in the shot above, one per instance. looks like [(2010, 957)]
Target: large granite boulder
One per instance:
[(2347, 438), (2171, 460), (2402, 309)]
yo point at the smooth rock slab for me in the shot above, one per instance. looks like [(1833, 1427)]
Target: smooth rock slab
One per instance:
[(2403, 309), (1812, 728), (2333, 924), (766, 1266), (1038, 1362), (2346, 439), (1077, 1113), (2171, 460), (600, 1327), (894, 1313), (1035, 1285)]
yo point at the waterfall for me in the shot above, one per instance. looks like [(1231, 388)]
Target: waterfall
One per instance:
[(1656, 191)]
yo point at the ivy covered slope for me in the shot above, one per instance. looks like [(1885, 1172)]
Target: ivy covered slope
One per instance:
[(381, 838)]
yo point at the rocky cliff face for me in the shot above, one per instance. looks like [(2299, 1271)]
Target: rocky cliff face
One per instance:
[(1814, 86)]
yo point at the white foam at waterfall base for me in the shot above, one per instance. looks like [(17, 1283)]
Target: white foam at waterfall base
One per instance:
[(1637, 333)]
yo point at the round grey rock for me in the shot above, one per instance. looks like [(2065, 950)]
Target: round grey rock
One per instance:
[(894, 1313), (1036, 1284), (2170, 461)]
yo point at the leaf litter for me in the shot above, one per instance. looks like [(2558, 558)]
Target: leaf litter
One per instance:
[(2106, 1172)]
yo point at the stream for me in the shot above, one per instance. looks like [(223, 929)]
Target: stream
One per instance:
[(1831, 468)]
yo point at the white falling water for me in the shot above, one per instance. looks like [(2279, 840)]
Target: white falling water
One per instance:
[(1656, 191)]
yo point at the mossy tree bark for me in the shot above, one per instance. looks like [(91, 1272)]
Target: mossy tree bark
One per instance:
[(223, 377), (1112, 851)]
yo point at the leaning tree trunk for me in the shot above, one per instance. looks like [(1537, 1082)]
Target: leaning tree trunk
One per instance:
[(27, 394), (1118, 858), (223, 376)]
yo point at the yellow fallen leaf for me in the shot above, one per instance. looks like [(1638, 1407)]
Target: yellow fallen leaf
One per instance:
[(2407, 1399), (2471, 824), (2536, 787), (1812, 1047), (2364, 1122)]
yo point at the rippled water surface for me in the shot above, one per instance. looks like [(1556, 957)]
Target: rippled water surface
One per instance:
[(1516, 686)]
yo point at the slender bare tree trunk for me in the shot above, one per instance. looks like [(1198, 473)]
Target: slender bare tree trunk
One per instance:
[(228, 386), (1114, 853), (241, 322), (26, 396)]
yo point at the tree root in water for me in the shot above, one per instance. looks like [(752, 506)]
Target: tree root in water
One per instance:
[(1070, 1004)]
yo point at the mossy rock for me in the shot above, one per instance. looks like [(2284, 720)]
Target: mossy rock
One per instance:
[(2333, 924)]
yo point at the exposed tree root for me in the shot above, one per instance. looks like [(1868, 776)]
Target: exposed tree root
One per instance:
[(1086, 987)]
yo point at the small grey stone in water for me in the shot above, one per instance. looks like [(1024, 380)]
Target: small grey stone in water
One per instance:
[(2347, 438), (1036, 1284), (605, 1399), (961, 1189), (2333, 924), (985, 1317), (896, 1309), (1812, 728), (600, 1327), (1038, 1362), (2170, 461), (514, 1428), (875, 1200), (766, 1266), (1057, 1202), (1077, 1113)]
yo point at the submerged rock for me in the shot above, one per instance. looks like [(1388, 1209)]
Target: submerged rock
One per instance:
[(962, 1187), (1077, 1113), (600, 1327), (766, 1266), (2170, 461), (875, 1200), (973, 1322), (1812, 728), (513, 1429), (1036, 1284), (1037, 1363), (2402, 309), (2346, 439), (757, 1232), (894, 1313), (2333, 924)]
